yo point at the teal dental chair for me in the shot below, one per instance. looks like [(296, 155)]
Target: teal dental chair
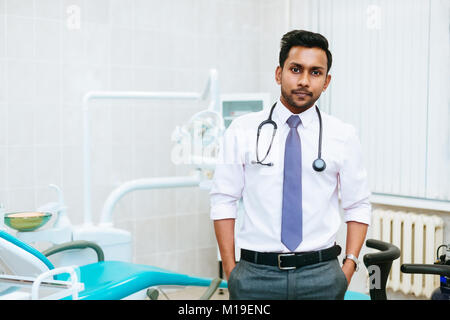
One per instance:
[(103, 280)]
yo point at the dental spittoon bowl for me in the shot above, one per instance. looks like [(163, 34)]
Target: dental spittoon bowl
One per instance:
[(26, 221)]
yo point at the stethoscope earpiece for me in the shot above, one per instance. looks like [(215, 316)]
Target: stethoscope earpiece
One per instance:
[(319, 164), (270, 164)]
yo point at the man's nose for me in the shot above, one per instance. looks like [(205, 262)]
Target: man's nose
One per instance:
[(303, 79)]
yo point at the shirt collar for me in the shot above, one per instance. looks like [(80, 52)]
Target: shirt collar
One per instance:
[(282, 114)]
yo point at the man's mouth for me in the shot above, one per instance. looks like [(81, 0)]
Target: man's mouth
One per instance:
[(301, 94)]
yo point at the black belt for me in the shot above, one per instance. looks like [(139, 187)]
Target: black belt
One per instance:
[(292, 260)]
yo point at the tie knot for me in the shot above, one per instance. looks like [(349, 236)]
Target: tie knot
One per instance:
[(293, 121)]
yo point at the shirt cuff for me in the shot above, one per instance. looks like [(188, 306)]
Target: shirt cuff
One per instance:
[(360, 214), (223, 211)]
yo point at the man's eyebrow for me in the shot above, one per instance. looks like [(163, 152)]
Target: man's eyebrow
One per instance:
[(295, 64)]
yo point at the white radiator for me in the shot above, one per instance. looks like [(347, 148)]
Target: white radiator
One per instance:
[(417, 236)]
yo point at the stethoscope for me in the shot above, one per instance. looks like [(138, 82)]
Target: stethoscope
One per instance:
[(318, 164)]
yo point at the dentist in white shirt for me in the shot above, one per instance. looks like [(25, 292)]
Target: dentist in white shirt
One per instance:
[(282, 256)]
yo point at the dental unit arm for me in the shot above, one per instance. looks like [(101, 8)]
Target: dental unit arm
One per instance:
[(117, 242), (211, 90)]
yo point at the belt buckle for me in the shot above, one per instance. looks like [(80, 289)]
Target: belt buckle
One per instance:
[(279, 261)]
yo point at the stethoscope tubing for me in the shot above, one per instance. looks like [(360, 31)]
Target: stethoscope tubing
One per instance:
[(318, 164)]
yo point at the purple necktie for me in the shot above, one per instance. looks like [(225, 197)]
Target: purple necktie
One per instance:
[(291, 221)]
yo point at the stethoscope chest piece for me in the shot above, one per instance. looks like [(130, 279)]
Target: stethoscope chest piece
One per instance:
[(319, 165)]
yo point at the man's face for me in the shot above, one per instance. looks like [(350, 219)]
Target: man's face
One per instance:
[(303, 78)]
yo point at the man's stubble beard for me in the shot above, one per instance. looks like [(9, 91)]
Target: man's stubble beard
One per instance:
[(288, 98)]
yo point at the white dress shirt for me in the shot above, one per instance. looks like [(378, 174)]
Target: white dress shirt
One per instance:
[(261, 187)]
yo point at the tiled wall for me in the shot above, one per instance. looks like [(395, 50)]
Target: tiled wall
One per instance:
[(49, 59)]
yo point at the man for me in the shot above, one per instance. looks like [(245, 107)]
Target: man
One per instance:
[(291, 211)]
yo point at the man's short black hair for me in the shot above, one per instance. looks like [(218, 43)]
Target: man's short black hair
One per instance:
[(305, 39)]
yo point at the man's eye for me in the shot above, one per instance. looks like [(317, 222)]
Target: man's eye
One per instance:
[(295, 69), (316, 73)]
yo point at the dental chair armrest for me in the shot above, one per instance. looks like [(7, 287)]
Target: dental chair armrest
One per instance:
[(79, 244), (215, 283)]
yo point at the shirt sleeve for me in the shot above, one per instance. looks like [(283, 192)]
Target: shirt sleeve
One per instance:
[(354, 188), (228, 180)]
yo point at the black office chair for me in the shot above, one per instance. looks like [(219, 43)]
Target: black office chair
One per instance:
[(383, 261)]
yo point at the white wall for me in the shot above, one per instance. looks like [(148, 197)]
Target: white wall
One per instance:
[(390, 80)]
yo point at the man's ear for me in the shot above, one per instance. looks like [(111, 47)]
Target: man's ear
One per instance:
[(278, 71), (327, 82)]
